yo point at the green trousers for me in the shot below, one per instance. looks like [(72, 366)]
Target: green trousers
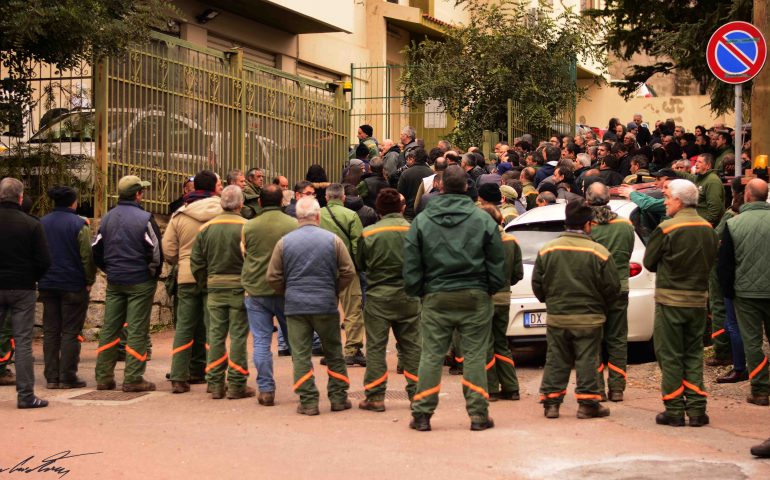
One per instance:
[(227, 315), (6, 345), (130, 305), (615, 345), (501, 370), (754, 316), (301, 329), (188, 357), (402, 314), (719, 336), (568, 346), (351, 299), (678, 339), (470, 312)]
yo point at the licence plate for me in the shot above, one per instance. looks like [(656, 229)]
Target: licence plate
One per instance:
[(534, 319)]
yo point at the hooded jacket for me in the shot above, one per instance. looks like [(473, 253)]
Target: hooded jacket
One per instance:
[(367, 214), (182, 230), (453, 245)]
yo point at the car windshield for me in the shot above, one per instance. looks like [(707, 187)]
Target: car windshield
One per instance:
[(533, 236), (77, 127)]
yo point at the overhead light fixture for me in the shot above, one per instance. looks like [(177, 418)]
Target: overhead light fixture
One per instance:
[(208, 15)]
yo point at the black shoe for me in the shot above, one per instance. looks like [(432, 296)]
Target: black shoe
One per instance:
[(699, 421), (480, 424), (456, 370), (317, 352), (34, 403), (756, 399), (284, 353), (551, 410), (734, 377), (400, 370), (77, 383), (506, 396), (53, 385), (338, 407), (323, 360), (663, 419), (762, 450), (616, 395), (596, 410), (357, 359), (420, 422)]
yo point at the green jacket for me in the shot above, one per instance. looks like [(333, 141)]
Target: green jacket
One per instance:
[(748, 233), (381, 255), (682, 251), (370, 142), (514, 270), (618, 237), (529, 192), (719, 161), (453, 245), (260, 234), (577, 279), (216, 260), (711, 195), (251, 207), (653, 209), (348, 219)]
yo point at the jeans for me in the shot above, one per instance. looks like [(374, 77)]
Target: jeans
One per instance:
[(21, 305), (261, 311), (736, 342)]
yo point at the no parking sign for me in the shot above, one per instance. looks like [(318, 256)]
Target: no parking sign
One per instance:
[(736, 52)]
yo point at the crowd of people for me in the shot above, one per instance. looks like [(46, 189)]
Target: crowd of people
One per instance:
[(410, 240)]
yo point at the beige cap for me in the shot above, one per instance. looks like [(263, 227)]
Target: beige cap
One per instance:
[(508, 192), (130, 184)]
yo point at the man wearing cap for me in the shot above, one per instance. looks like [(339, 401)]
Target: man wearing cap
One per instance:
[(365, 138), (652, 209), (128, 249), (508, 207), (188, 355), (381, 256), (578, 281), (64, 288), (255, 180), (681, 293)]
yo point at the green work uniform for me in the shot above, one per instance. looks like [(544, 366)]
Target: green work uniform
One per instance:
[(381, 256), (529, 193), (617, 236), (251, 207), (216, 262), (453, 258), (6, 346), (501, 369), (719, 336), (681, 292), (578, 281), (711, 195)]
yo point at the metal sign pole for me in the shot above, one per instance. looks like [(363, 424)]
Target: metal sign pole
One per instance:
[(738, 129)]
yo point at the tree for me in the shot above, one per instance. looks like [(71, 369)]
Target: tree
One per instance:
[(675, 34), (504, 51), (65, 33)]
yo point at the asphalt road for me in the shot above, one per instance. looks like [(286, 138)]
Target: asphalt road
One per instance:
[(190, 436)]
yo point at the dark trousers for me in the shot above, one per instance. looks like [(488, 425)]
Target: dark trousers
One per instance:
[(21, 305), (64, 314)]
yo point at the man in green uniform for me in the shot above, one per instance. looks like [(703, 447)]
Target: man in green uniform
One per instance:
[(711, 192), (744, 274), (381, 257), (681, 293), (216, 262), (578, 281), (453, 259), (365, 137), (616, 235), (255, 180)]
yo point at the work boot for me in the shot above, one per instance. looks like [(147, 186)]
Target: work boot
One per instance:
[(284, 353), (762, 450), (266, 398), (506, 396), (718, 362), (372, 405), (756, 399), (7, 379), (551, 410), (244, 392), (734, 376), (420, 422), (604, 397), (616, 395), (34, 403), (481, 423), (77, 383), (493, 397), (399, 369), (106, 386), (323, 361), (592, 411), (699, 420), (309, 410), (180, 387), (664, 419), (217, 390), (338, 407), (141, 386), (52, 385), (357, 359)]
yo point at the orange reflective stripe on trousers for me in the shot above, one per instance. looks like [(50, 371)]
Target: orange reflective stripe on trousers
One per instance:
[(674, 394), (107, 346), (616, 369), (544, 396), (135, 354), (505, 359), (759, 368), (215, 363), (373, 384), (237, 368), (338, 376), (428, 392), (302, 380), (694, 388), (475, 388), (718, 333), (182, 348), (490, 364), (588, 396), (411, 377)]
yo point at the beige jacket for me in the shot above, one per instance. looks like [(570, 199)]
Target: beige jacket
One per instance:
[(181, 232)]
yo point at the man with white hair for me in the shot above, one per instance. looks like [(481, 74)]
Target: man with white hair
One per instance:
[(311, 266), (216, 262), (681, 294), (409, 140)]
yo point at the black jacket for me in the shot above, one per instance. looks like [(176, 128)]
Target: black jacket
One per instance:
[(409, 183), (366, 213), (24, 256)]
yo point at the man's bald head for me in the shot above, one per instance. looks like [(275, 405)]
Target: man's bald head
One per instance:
[(756, 191)]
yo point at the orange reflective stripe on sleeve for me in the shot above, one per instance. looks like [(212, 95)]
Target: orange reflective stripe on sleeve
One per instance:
[(237, 367), (694, 388), (81, 339), (411, 377), (671, 228), (617, 369), (302, 380), (601, 368), (427, 393), (394, 228), (216, 362), (543, 396), (475, 388), (505, 359), (107, 346), (573, 249), (373, 384), (587, 396), (756, 371), (459, 359), (622, 220), (718, 333), (674, 394), (182, 348), (135, 354), (490, 364), (5, 357), (338, 376)]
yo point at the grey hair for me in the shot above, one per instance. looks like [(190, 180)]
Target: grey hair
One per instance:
[(684, 190), (584, 159), (232, 198), (409, 131), (376, 164), (232, 176), (598, 194), (335, 191), (308, 208), (10, 190)]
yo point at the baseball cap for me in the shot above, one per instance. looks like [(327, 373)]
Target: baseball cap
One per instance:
[(664, 172), (130, 184)]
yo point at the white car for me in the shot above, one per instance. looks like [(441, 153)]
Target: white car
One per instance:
[(535, 228)]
